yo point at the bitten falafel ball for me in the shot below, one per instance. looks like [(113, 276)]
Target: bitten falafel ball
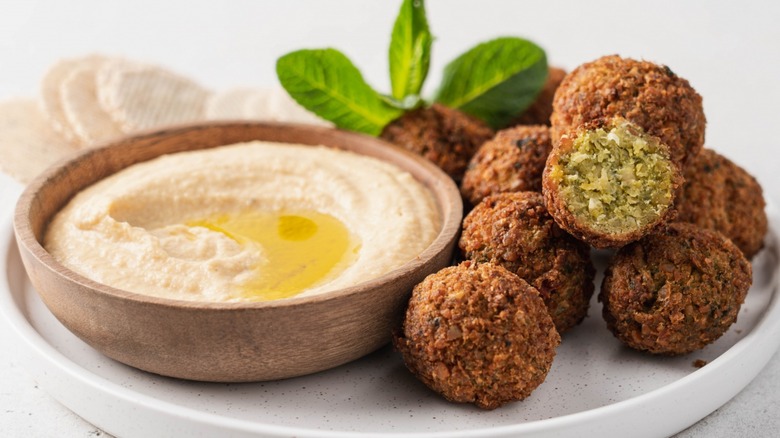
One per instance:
[(676, 290), (541, 109), (476, 333), (513, 161), (719, 195), (609, 183), (515, 230), (446, 136), (650, 95)]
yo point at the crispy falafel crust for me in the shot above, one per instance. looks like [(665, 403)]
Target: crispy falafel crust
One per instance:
[(513, 161), (675, 291), (541, 109), (650, 95), (515, 230), (476, 333), (719, 195), (576, 226), (445, 136)]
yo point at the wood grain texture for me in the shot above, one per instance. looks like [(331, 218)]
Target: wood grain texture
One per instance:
[(225, 342)]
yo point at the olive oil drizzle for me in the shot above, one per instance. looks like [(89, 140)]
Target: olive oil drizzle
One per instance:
[(301, 249)]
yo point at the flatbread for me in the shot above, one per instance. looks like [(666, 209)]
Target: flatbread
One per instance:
[(28, 143), (274, 104), (141, 97), (50, 100), (228, 105), (87, 119), (258, 105)]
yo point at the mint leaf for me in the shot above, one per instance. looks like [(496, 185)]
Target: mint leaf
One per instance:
[(325, 82), (410, 102), (410, 50), (496, 80)]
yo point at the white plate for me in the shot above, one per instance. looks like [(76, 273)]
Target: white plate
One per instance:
[(595, 387)]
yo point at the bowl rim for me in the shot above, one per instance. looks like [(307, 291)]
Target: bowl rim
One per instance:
[(445, 187)]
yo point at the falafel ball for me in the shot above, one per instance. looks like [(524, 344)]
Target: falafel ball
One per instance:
[(541, 109), (719, 195), (446, 136), (609, 183), (476, 333), (513, 161), (515, 230), (676, 290), (650, 95)]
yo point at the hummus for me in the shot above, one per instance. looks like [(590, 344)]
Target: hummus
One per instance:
[(193, 225)]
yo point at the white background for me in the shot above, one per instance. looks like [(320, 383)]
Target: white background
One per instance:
[(729, 51)]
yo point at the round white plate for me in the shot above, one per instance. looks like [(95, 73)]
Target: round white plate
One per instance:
[(596, 386)]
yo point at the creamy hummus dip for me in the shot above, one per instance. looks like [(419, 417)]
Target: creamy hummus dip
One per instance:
[(213, 225)]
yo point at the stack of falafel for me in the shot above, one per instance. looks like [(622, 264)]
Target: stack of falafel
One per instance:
[(610, 156)]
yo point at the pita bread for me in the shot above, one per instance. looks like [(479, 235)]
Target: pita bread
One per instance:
[(87, 119), (274, 104), (141, 97), (50, 100), (28, 143), (258, 105), (227, 105)]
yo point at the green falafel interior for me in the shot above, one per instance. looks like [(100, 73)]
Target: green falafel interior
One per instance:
[(615, 177)]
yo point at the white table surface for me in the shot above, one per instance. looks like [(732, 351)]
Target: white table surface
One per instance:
[(729, 51)]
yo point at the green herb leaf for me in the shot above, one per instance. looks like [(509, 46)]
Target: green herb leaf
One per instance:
[(410, 102), (496, 80), (326, 83), (410, 50)]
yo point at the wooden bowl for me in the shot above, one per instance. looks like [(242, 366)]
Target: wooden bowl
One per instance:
[(225, 342)]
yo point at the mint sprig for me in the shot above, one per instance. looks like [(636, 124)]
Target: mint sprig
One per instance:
[(327, 83), (493, 81), (410, 50), (496, 80)]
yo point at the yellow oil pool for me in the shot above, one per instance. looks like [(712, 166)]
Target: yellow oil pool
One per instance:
[(302, 249)]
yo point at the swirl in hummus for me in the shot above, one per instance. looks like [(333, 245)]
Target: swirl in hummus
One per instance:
[(150, 228)]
